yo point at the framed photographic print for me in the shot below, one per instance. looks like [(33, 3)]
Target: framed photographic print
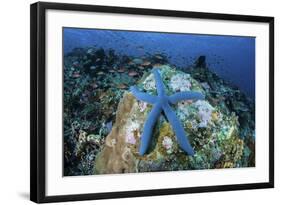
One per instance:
[(129, 102)]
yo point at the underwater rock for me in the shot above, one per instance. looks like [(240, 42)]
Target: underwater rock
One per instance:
[(213, 133)]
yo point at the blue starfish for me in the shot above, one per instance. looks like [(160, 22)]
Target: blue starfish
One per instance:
[(162, 102)]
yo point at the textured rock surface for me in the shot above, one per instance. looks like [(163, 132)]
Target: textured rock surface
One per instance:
[(213, 132)]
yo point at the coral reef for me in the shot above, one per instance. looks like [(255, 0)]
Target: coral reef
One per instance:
[(104, 121), (213, 135)]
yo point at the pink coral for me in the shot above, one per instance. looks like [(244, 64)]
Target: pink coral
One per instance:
[(142, 106), (167, 143), (130, 138)]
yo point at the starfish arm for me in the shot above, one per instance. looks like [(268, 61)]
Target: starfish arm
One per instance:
[(188, 95), (159, 84), (148, 128), (143, 96), (178, 129)]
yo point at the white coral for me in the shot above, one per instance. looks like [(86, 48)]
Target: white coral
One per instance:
[(183, 107), (180, 82), (204, 111), (142, 106), (130, 136), (167, 144), (149, 83)]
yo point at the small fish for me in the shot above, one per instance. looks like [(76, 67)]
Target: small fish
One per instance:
[(132, 73), (121, 70), (100, 73), (157, 65), (94, 85), (122, 86), (159, 57), (75, 63), (140, 48), (131, 63), (146, 63), (76, 75)]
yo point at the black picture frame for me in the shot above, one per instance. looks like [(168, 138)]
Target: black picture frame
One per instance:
[(38, 101)]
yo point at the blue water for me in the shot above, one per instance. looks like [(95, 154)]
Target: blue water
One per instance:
[(231, 57)]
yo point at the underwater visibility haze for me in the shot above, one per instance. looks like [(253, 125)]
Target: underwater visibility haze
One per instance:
[(149, 101)]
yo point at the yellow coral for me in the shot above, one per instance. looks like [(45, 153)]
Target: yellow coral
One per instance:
[(228, 165), (215, 116)]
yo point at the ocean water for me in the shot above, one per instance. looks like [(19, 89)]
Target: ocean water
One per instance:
[(231, 57)]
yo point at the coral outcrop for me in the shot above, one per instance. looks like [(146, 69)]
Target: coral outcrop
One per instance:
[(213, 131), (103, 121), (162, 102)]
